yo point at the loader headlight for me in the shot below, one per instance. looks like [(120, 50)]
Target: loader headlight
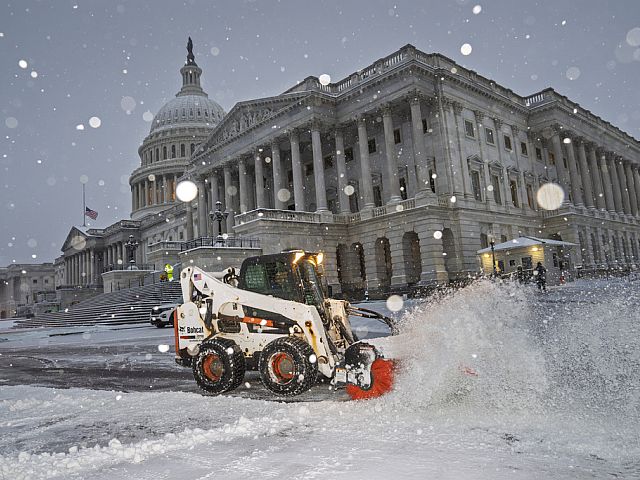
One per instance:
[(319, 258), (298, 256)]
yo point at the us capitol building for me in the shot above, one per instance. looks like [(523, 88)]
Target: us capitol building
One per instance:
[(399, 173)]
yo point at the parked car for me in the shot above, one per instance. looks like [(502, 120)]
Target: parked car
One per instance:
[(162, 315)]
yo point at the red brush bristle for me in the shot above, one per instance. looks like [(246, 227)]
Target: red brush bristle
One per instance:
[(382, 373)]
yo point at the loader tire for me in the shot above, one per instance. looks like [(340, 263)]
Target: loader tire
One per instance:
[(219, 366), (286, 367)]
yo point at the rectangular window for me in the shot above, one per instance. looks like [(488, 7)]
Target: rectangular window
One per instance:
[(403, 188), (527, 263), (475, 183), (530, 197), (372, 145), (488, 135), (377, 196), (348, 154), (308, 169), (35, 281), (495, 183), (514, 192), (432, 181), (290, 176), (523, 148), (397, 138), (328, 162), (552, 158), (507, 142), (468, 129), (425, 126), (46, 280), (538, 154), (564, 162)]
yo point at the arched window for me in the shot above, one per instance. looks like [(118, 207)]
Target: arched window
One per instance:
[(193, 148), (182, 150), (157, 154), (164, 153), (173, 151)]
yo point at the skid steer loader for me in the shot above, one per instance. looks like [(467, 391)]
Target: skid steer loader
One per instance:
[(275, 317)]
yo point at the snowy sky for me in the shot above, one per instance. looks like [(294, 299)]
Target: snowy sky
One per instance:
[(65, 62)]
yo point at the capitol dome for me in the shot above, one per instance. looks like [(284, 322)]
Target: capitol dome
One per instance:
[(187, 111), (176, 131)]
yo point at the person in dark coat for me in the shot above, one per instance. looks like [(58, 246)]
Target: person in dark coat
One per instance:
[(541, 276)]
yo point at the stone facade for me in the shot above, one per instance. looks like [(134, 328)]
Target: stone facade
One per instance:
[(369, 168), (399, 173), (24, 285)]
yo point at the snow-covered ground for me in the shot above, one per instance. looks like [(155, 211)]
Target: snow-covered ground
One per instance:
[(556, 396)]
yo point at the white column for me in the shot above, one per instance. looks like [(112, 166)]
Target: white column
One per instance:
[(202, 207), (189, 221), (573, 173), (318, 169), (259, 171), (636, 181), (228, 198), (296, 165), (242, 183), (631, 187), (390, 152), (615, 181), (596, 181), (584, 173), (366, 187), (213, 184), (560, 170), (419, 152), (622, 178), (276, 163), (341, 168)]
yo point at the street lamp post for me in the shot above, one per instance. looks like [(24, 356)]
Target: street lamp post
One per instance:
[(493, 256), (217, 216), (131, 246)]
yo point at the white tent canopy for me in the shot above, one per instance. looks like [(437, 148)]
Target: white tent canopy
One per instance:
[(521, 242)]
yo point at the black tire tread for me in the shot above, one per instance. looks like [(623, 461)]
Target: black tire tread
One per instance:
[(231, 379), (301, 351)]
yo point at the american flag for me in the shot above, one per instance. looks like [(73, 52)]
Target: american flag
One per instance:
[(92, 214)]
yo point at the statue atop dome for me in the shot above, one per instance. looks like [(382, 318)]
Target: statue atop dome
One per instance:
[(191, 59)]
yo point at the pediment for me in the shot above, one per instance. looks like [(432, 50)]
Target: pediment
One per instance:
[(76, 240), (247, 115)]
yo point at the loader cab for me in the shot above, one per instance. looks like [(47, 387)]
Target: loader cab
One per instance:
[(292, 275)]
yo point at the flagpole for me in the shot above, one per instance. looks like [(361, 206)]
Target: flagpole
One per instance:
[(84, 209)]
